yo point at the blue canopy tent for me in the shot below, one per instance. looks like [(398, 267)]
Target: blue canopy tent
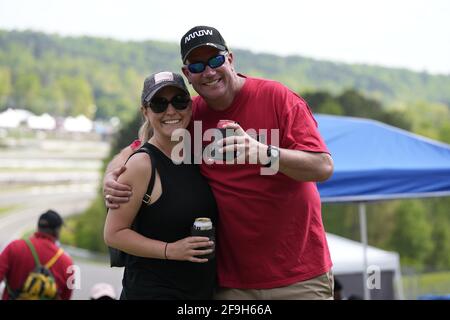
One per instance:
[(375, 161)]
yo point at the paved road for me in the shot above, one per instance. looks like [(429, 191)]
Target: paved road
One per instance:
[(92, 273), (13, 224), (36, 175)]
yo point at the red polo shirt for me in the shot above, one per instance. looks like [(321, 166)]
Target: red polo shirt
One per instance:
[(17, 261)]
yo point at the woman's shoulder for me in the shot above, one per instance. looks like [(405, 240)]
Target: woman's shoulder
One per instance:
[(140, 160), (138, 166)]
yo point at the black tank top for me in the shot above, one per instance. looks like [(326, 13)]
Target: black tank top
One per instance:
[(185, 196)]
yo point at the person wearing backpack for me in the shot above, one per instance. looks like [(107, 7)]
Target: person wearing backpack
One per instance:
[(36, 267)]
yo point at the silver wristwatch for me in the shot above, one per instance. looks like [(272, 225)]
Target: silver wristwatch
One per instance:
[(273, 153)]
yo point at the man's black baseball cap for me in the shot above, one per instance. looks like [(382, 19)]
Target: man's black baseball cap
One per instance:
[(50, 220), (201, 36)]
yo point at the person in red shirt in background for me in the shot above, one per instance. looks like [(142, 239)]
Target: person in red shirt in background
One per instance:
[(16, 260), (271, 242)]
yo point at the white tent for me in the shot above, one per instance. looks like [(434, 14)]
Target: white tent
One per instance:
[(78, 124), (348, 264), (42, 122), (12, 118)]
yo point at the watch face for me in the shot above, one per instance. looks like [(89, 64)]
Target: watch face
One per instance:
[(274, 152)]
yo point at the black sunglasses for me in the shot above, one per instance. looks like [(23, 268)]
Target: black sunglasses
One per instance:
[(160, 104), (214, 62)]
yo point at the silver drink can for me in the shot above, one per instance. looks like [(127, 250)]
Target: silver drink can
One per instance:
[(203, 227)]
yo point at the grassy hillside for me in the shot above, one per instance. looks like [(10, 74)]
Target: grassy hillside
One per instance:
[(103, 77)]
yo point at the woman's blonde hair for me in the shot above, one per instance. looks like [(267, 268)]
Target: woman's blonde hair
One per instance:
[(146, 130)]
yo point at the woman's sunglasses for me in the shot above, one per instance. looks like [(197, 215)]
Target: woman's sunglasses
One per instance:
[(214, 62), (160, 104)]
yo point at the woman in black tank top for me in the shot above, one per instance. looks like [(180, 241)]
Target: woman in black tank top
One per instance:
[(163, 261)]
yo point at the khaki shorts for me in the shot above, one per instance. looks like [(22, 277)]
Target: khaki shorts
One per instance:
[(318, 288)]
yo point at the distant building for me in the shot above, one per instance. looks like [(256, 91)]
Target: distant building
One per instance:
[(12, 118), (43, 122), (78, 124)]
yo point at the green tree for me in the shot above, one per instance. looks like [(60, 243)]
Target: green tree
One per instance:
[(439, 218), (26, 90), (78, 98), (412, 233), (117, 69), (341, 219), (439, 257), (128, 133), (355, 104), (430, 119), (323, 102), (89, 227), (5, 86)]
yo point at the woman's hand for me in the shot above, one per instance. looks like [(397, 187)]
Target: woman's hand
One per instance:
[(189, 248)]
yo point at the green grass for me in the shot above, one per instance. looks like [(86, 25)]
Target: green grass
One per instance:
[(48, 170), (7, 209), (67, 235), (437, 283)]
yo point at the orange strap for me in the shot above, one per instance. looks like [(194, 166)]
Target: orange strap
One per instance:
[(52, 261)]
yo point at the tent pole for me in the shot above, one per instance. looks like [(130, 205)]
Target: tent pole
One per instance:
[(363, 231), (398, 281)]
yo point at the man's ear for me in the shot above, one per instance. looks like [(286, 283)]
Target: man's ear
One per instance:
[(230, 58), (186, 73)]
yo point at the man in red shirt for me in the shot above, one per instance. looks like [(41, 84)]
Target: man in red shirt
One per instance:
[(16, 260), (271, 243)]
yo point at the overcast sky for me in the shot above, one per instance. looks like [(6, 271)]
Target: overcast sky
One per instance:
[(414, 34)]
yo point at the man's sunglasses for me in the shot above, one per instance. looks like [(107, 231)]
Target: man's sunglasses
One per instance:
[(160, 104), (214, 62)]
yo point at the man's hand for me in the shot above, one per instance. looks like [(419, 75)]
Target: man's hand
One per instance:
[(249, 150), (114, 192), (296, 164)]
